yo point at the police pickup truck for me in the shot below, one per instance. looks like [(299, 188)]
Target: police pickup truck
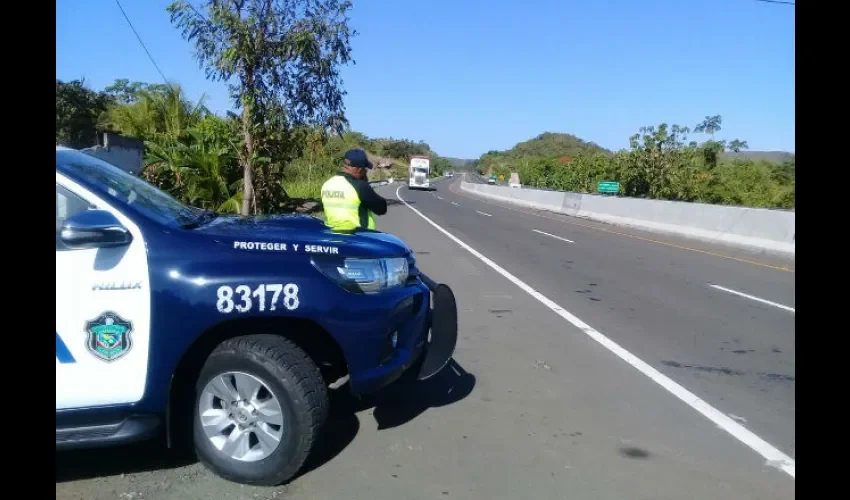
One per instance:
[(226, 331)]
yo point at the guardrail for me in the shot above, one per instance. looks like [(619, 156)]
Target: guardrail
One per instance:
[(759, 229)]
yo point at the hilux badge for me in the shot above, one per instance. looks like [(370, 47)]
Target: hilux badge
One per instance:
[(117, 285)]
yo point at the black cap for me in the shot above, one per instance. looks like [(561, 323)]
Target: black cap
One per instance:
[(357, 158)]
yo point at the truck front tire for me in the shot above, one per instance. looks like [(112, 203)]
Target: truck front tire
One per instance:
[(260, 403)]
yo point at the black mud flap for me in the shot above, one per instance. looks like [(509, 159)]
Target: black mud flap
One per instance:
[(443, 336)]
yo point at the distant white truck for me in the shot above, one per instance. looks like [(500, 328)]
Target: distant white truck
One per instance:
[(514, 182), (420, 172)]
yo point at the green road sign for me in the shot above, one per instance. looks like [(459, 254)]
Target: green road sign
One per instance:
[(609, 187)]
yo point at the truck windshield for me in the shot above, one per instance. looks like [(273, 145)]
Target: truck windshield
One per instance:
[(421, 170), (127, 189)]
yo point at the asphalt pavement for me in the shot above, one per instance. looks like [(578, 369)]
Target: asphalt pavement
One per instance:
[(534, 406), (692, 311)]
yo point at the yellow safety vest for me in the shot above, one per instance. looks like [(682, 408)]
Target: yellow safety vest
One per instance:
[(342, 206)]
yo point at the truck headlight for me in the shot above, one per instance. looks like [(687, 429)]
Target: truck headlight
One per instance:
[(361, 275)]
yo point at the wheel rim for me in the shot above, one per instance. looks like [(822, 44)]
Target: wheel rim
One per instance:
[(241, 416)]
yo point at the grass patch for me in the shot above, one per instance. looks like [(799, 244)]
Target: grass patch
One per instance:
[(303, 184), (303, 188)]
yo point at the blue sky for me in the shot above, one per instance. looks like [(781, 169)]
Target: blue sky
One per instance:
[(468, 76)]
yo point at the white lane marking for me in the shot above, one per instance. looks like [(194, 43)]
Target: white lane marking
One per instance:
[(772, 455), (553, 236), (752, 297), (453, 203), (439, 197), (484, 213)]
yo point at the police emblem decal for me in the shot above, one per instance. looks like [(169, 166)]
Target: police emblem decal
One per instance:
[(109, 336)]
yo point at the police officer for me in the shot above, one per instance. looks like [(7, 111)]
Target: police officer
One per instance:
[(348, 200)]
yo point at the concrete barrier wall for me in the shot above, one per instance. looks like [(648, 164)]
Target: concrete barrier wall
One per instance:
[(749, 228)]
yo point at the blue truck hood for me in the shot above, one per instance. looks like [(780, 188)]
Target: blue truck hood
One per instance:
[(302, 230)]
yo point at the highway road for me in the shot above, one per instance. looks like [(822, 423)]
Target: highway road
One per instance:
[(593, 362), (678, 305)]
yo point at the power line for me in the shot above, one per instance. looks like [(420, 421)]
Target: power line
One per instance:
[(777, 1), (155, 65)]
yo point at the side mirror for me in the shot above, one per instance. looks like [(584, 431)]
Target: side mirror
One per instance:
[(94, 229)]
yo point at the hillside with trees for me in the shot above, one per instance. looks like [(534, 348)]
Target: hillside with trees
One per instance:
[(661, 163), (546, 145), (552, 144)]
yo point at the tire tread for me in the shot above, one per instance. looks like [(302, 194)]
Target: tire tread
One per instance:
[(309, 393)]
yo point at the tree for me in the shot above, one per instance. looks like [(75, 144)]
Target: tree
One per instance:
[(200, 170), (439, 166), (151, 112), (77, 110), (737, 145), (709, 126), (123, 91), (402, 149), (711, 149), (281, 59)]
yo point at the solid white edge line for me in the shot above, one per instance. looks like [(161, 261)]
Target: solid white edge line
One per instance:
[(752, 297), (484, 213), (553, 236), (774, 457)]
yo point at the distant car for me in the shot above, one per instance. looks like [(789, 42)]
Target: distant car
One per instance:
[(491, 180), (450, 174)]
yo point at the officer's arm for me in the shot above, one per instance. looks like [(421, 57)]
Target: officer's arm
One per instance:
[(369, 198)]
